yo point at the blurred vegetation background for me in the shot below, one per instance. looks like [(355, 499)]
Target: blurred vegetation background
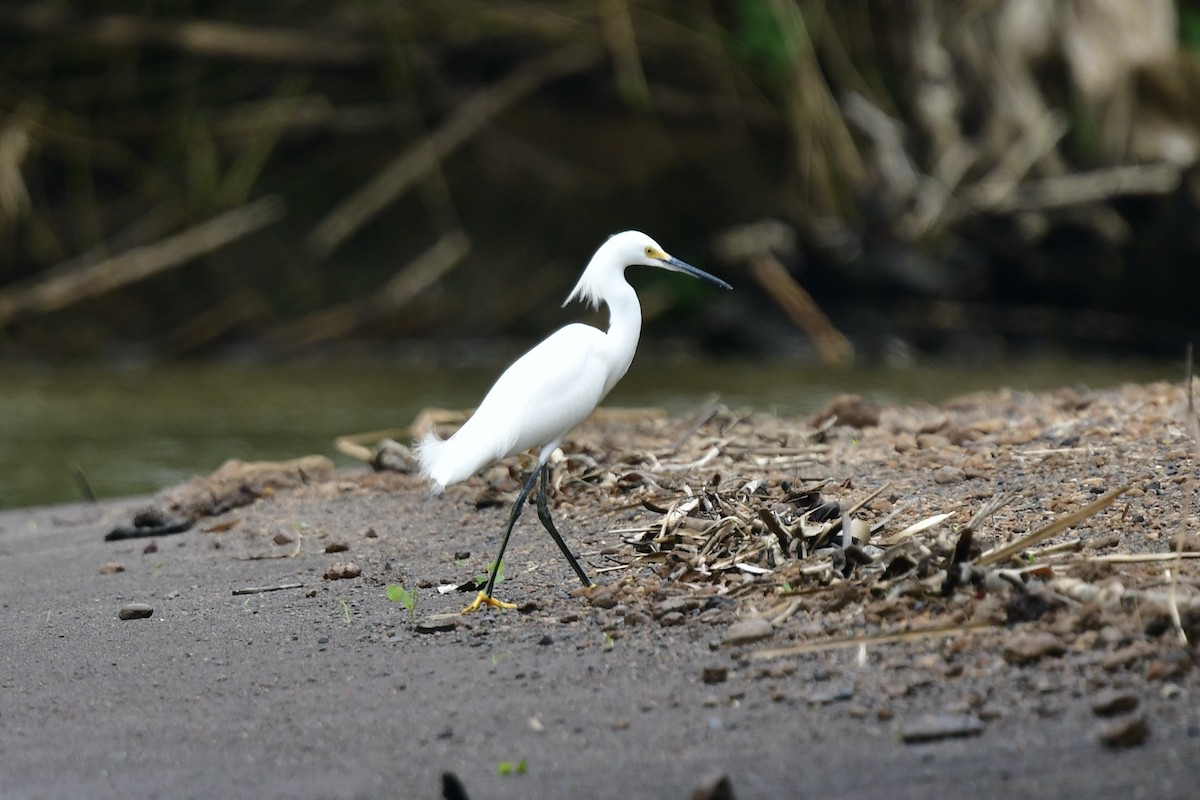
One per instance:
[(186, 179)]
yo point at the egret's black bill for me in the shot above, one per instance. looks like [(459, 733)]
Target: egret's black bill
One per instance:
[(688, 269)]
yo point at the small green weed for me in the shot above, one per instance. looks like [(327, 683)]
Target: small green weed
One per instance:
[(481, 580), (398, 594)]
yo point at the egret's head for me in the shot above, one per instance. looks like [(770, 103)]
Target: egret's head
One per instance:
[(628, 249)]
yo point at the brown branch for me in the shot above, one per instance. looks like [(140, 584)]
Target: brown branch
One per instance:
[(197, 37), (339, 320), (418, 160), (67, 288)]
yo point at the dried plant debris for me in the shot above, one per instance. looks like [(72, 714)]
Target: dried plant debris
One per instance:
[(763, 512)]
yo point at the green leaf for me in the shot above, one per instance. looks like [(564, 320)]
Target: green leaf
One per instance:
[(482, 580)]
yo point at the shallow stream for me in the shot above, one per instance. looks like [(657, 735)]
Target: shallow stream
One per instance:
[(134, 431)]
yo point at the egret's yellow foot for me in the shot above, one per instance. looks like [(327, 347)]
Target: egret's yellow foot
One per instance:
[(484, 599)]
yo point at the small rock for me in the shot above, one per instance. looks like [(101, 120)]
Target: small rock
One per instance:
[(435, 625), (1127, 731), (282, 538), (853, 410), (751, 629), (150, 548), (932, 441), (714, 787), (1114, 701), (546, 639), (596, 595), (1030, 647), (342, 570), (337, 546), (1174, 664), (830, 694), (1125, 656), (671, 619), (392, 456), (948, 475), (714, 674), (111, 568), (135, 611), (370, 533), (680, 605), (933, 727), (452, 788)]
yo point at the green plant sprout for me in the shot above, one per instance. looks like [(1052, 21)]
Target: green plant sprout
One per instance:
[(345, 610), (511, 767), (482, 579), (398, 594)]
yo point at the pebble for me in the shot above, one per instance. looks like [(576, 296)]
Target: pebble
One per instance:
[(1114, 701), (597, 596), (1129, 731), (714, 787), (636, 618), (670, 620), (111, 568), (744, 631), (1125, 656), (948, 475), (932, 727), (337, 546), (135, 611), (1029, 647), (342, 570), (831, 694), (435, 625), (714, 674), (282, 538), (679, 605)]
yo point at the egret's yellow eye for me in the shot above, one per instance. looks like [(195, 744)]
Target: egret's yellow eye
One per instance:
[(650, 252)]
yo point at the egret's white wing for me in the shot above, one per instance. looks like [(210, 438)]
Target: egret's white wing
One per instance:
[(542, 396)]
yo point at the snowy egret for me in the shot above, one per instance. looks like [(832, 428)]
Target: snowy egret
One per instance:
[(554, 387)]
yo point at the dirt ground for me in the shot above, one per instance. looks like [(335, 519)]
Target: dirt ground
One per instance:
[(735, 631)]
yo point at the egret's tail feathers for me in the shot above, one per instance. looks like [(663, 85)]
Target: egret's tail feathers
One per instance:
[(429, 452)]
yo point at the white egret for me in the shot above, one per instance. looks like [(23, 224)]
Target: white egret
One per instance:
[(551, 389)]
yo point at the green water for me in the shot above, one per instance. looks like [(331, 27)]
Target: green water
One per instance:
[(134, 431)]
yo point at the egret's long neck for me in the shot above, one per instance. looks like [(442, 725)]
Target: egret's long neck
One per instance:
[(624, 328)]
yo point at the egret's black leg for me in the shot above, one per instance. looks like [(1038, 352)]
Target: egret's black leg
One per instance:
[(512, 521), (548, 524)]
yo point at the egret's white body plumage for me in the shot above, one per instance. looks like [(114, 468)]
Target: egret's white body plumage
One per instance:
[(530, 405)]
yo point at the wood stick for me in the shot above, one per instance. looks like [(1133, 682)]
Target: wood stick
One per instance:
[(262, 589), (418, 160), (1057, 526), (65, 289), (198, 37), (835, 349), (339, 320)]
